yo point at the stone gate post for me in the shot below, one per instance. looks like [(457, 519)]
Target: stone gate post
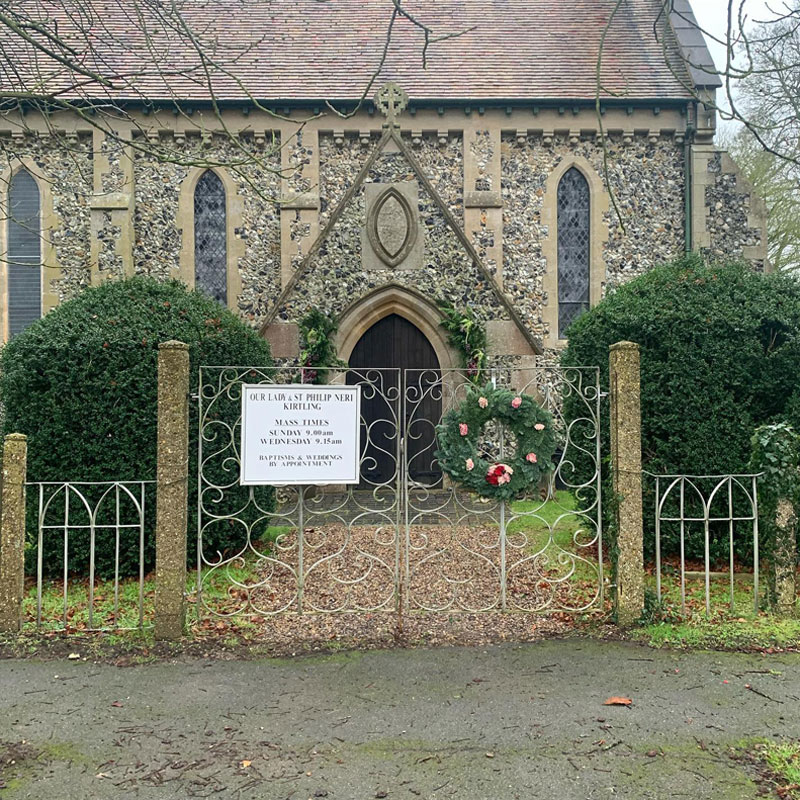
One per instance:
[(785, 558), (12, 532), (172, 490), (626, 470)]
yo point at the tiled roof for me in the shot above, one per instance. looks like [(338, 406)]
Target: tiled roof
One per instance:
[(298, 50), (693, 44)]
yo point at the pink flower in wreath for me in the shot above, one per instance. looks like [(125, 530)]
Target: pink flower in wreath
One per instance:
[(463, 428), (516, 402), (483, 402), (538, 426), (531, 457), (470, 464), (504, 478)]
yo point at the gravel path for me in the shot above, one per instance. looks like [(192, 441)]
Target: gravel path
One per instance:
[(490, 723), (450, 567)]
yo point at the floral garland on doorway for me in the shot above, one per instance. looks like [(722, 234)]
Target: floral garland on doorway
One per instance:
[(466, 334), (317, 348), (531, 449)]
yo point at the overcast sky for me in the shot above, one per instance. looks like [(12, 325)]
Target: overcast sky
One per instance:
[(712, 16)]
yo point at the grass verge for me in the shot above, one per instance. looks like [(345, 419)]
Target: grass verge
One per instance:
[(776, 764)]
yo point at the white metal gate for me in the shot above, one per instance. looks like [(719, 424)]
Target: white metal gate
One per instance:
[(405, 538)]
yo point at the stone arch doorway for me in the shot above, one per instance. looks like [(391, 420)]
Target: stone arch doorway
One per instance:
[(401, 375)]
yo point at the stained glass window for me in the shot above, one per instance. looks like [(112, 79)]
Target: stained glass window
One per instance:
[(24, 257), (573, 248), (210, 237)]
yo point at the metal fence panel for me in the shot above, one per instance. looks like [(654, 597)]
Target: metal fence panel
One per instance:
[(543, 552), (71, 516), (706, 502), (304, 549)]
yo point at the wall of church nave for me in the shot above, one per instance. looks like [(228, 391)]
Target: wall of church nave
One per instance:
[(645, 228), (62, 168), (164, 217)]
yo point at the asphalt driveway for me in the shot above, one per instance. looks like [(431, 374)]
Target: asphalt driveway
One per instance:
[(481, 724)]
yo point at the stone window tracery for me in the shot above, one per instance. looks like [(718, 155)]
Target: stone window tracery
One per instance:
[(210, 237), (573, 224), (24, 253)]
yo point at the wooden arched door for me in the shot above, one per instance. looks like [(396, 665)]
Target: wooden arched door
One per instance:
[(396, 358)]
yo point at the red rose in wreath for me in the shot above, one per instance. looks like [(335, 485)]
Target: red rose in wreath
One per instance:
[(499, 474)]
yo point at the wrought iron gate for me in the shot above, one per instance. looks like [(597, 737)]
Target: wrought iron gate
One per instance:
[(404, 538)]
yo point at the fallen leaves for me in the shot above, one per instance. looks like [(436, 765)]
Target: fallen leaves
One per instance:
[(618, 701)]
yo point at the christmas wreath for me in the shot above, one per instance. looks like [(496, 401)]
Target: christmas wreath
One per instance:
[(459, 437)]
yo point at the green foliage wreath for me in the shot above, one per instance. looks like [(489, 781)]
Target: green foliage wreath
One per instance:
[(460, 432)]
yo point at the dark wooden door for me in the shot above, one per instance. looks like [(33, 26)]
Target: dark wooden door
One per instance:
[(379, 362)]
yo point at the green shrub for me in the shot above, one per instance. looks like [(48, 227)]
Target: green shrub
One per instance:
[(720, 356), (82, 384), (776, 454)]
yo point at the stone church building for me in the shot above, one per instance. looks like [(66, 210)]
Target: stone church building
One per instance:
[(481, 180)]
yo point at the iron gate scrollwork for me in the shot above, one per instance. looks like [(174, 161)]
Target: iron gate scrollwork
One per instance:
[(542, 552), (404, 538), (263, 551)]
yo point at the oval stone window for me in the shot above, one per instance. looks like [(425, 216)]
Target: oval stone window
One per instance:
[(392, 227)]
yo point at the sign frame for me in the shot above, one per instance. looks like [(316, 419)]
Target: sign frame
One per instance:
[(350, 479)]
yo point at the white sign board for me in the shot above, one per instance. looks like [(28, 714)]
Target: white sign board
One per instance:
[(294, 434)]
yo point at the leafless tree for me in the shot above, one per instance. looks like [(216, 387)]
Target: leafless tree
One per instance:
[(760, 77), (103, 63), (759, 91), (767, 147)]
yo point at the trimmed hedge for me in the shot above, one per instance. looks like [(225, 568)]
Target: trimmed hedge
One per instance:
[(720, 356), (82, 384)]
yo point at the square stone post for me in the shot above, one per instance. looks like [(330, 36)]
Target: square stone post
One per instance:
[(172, 490), (785, 558), (12, 532), (626, 471)]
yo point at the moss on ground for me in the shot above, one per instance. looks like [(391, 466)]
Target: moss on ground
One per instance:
[(763, 633)]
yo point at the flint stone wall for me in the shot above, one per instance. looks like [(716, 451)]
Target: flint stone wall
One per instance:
[(63, 169), (647, 179), (159, 226), (646, 228), (336, 276)]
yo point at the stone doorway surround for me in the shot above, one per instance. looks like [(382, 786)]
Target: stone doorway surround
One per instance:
[(404, 302)]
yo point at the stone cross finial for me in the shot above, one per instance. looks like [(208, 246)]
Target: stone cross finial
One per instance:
[(391, 100)]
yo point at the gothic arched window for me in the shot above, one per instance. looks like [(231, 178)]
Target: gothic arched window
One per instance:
[(24, 256), (573, 248), (210, 237)]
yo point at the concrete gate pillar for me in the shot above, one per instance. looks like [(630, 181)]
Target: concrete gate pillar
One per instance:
[(172, 491), (626, 469)]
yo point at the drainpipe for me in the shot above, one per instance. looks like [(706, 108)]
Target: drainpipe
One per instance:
[(687, 157)]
